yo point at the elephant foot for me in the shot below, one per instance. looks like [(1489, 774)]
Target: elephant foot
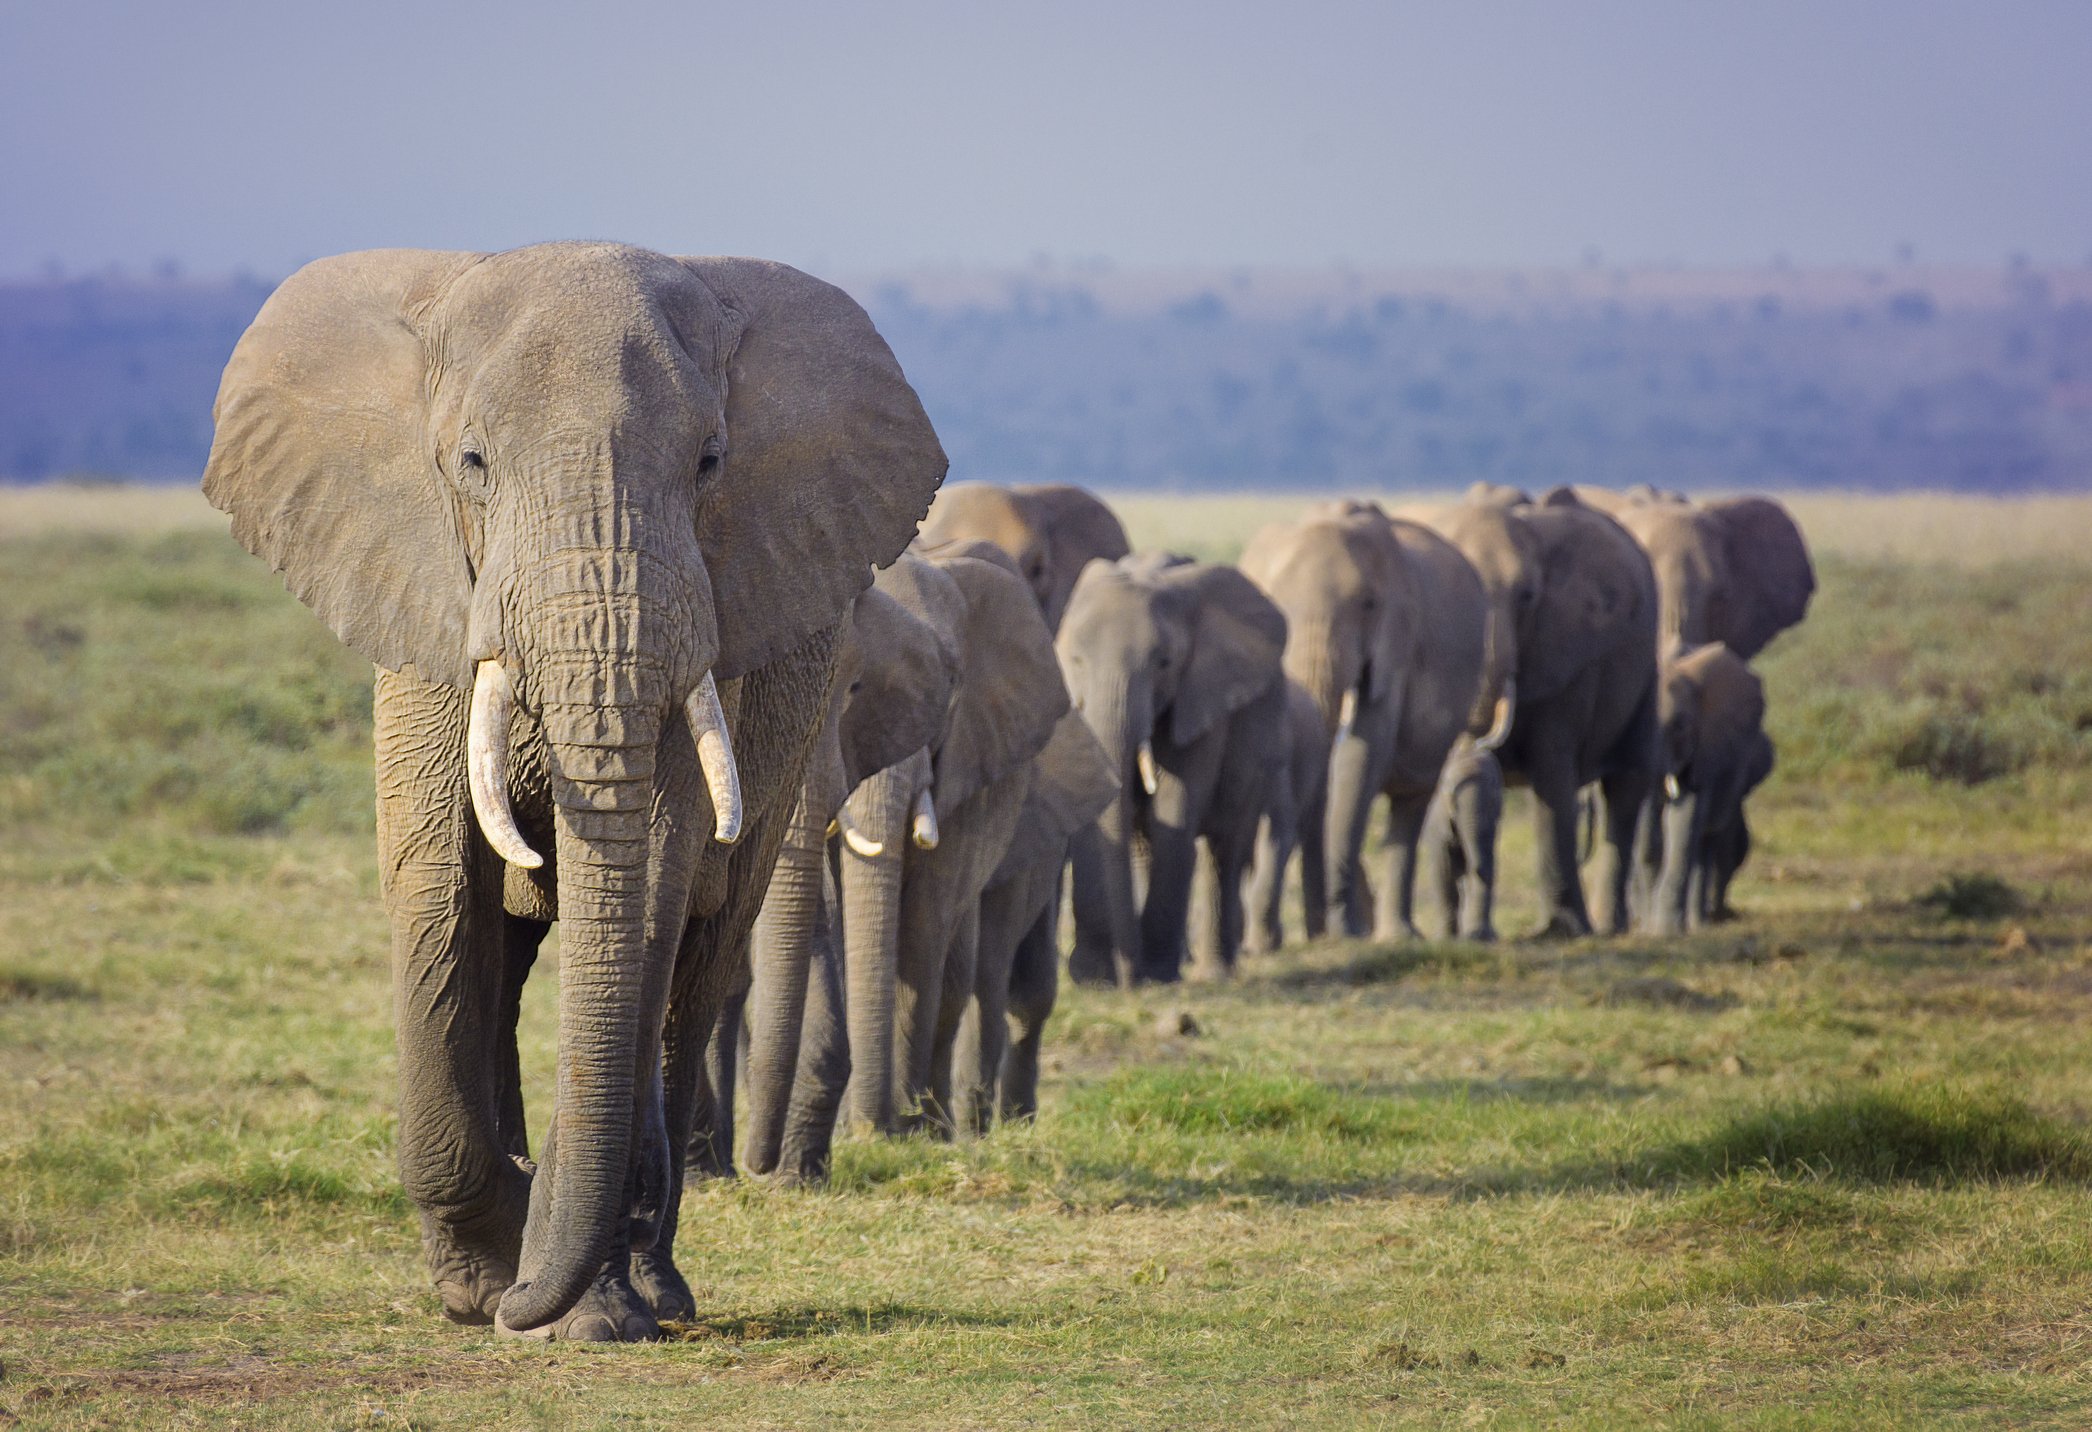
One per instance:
[(1722, 915), (1486, 935), (470, 1279), (661, 1284), (610, 1311), (1563, 925), (1398, 933)]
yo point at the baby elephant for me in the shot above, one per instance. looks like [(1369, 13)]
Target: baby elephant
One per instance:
[(1460, 837)]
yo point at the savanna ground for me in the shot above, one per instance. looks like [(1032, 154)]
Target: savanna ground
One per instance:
[(1828, 1166)]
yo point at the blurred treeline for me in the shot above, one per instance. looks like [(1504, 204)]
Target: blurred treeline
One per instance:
[(1888, 380)]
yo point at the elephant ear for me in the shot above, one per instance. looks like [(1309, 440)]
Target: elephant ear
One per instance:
[(1237, 640), (1768, 567), (830, 464), (321, 456), (907, 675), (1078, 528), (1072, 782), (1010, 691)]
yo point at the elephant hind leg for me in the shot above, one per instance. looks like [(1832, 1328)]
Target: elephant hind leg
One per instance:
[(1395, 908)]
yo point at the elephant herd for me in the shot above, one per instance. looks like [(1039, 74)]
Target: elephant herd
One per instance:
[(675, 650)]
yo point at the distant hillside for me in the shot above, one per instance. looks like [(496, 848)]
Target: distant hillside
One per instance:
[(1945, 379)]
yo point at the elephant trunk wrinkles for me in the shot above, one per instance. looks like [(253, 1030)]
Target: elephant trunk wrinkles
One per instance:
[(1104, 864), (871, 900), (608, 655), (785, 932)]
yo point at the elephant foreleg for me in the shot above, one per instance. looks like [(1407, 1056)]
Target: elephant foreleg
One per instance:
[(1555, 811), (1624, 795), (1034, 980), (1267, 883), (824, 1057), (450, 970)]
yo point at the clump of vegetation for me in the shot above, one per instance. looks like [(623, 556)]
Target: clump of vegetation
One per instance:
[(1204, 1100), (1953, 746), (1924, 1134), (1973, 895)]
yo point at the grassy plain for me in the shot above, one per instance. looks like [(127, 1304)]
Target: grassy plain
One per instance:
[(1825, 1167)]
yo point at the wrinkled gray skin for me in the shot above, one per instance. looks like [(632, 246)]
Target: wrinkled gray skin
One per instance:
[(1293, 819), (1734, 570), (1711, 711), (1051, 531), (911, 914), (1183, 657), (893, 687), (1460, 835), (1391, 616), (606, 473), (1573, 620), (995, 1065)]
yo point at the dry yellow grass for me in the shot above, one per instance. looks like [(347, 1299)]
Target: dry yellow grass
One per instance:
[(1914, 527)]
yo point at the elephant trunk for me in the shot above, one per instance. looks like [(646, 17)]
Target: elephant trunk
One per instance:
[(871, 900), (1312, 660), (783, 950), (614, 642), (1106, 914), (602, 760)]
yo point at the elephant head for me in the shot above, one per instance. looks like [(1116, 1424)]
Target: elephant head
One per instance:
[(1005, 700), (1155, 650), (1050, 531), (1339, 577), (588, 482), (1562, 581)]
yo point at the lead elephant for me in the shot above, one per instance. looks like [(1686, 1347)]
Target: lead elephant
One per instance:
[(1712, 712), (1050, 530), (1385, 629), (1175, 665), (1572, 639), (595, 513)]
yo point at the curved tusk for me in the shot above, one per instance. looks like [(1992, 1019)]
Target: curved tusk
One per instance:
[(924, 828), (715, 754), (1347, 713), (486, 764), (1144, 762), (857, 840), (1671, 788), (1500, 726), (834, 825)]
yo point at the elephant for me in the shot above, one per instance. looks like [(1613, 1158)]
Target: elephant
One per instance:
[(1386, 624), (1735, 570), (892, 690), (1292, 821), (1051, 531), (1176, 667), (1572, 645), (1460, 834), (595, 514), (934, 831), (1711, 710)]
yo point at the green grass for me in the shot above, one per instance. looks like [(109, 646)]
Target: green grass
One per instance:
[(1828, 1166)]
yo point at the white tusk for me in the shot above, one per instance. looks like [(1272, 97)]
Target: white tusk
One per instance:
[(857, 840), (1500, 727), (924, 827), (1144, 762), (1347, 713), (1671, 789), (834, 825), (715, 754), (486, 764)]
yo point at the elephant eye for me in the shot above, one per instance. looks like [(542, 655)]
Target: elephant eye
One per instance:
[(708, 460)]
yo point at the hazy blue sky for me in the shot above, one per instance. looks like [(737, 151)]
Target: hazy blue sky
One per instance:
[(849, 137)]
